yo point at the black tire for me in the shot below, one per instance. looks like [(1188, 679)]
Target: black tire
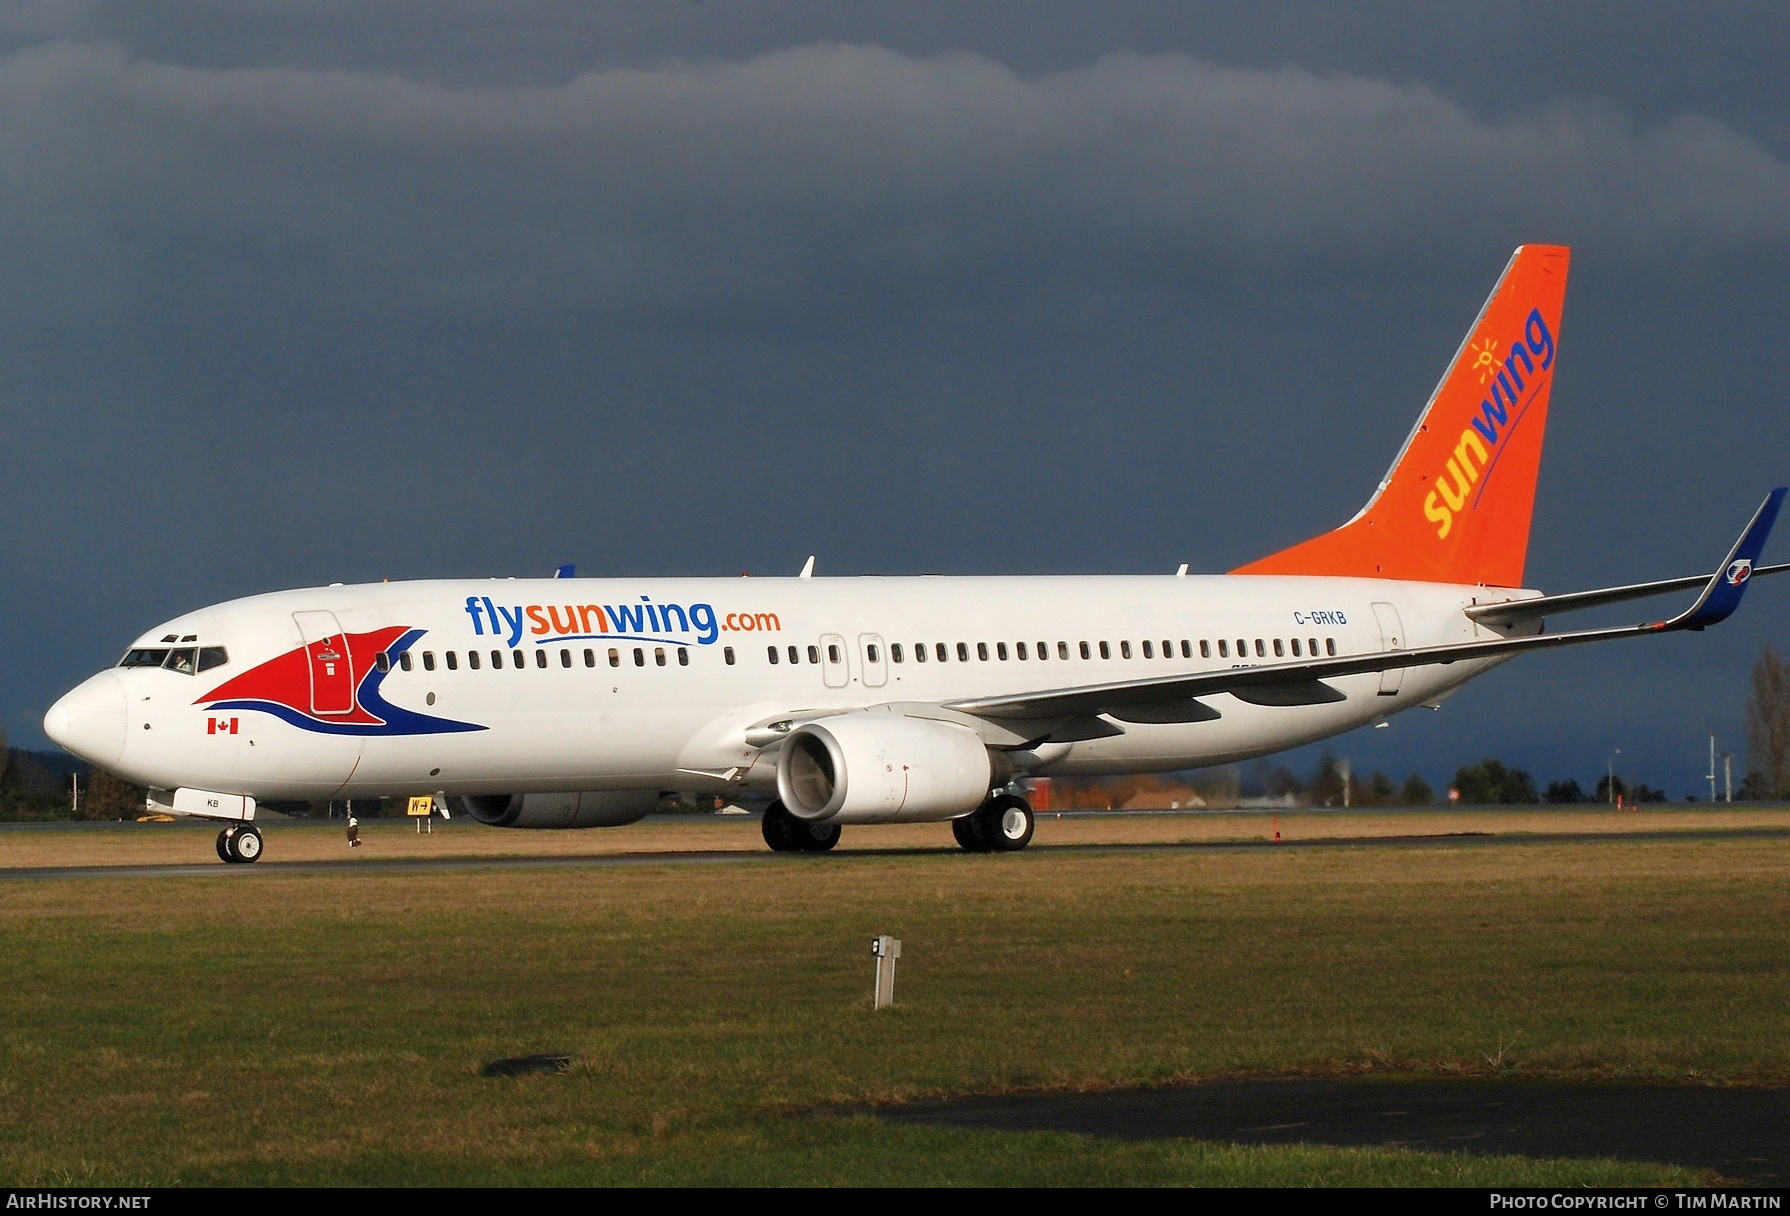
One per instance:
[(224, 845), (968, 832), (1006, 823), (817, 837), (780, 829), (245, 844)]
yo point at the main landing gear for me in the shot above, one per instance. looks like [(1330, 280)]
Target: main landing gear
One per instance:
[(1003, 824), (240, 842), (787, 834)]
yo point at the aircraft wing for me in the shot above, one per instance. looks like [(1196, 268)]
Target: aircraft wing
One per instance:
[(1517, 612), (1302, 683)]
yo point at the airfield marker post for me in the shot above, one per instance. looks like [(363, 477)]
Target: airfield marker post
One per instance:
[(886, 949)]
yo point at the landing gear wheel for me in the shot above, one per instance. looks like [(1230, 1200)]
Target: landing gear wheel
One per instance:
[(818, 837), (1005, 823), (781, 829), (969, 834), (787, 834), (244, 843), (224, 845)]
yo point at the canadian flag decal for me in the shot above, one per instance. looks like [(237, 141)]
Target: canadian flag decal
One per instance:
[(220, 726)]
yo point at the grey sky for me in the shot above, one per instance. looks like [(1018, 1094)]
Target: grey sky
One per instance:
[(307, 292)]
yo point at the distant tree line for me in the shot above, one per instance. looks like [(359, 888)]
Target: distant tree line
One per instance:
[(1768, 730), (35, 786)]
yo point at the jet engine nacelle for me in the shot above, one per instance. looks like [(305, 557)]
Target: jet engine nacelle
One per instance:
[(593, 809), (880, 768)]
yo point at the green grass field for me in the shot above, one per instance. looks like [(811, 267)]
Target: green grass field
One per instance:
[(306, 1028)]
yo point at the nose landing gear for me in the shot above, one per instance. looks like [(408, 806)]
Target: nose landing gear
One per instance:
[(240, 842)]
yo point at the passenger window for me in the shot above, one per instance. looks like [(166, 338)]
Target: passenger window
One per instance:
[(727, 653), (404, 660), (185, 661), (919, 652), (428, 660), (540, 658), (1063, 649), (590, 657), (1311, 645), (683, 656), (214, 656), (1242, 649), (870, 650), (1296, 648), (771, 654), (452, 662), (1205, 649), (472, 660), (1043, 650), (519, 659), (1124, 650), (1106, 651), (639, 657), (382, 661), (615, 657), (1278, 652), (1224, 649), (1330, 647), (813, 654), (565, 658), (659, 656), (496, 659), (1261, 651), (895, 651), (1085, 652), (1000, 650), (795, 656), (963, 652), (982, 651), (1150, 654), (939, 649), (1019, 648)]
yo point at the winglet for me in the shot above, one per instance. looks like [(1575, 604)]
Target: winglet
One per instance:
[(564, 571), (1722, 595)]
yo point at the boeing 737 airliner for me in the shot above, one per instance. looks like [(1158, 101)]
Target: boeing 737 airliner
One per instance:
[(573, 703)]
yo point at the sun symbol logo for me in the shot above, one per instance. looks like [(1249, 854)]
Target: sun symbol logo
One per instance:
[(1485, 360)]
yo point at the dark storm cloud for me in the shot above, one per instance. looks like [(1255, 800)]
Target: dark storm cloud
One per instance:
[(814, 178)]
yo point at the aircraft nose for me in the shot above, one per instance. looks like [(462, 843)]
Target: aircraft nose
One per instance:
[(89, 721)]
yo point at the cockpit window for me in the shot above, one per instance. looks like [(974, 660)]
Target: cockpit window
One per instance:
[(185, 660), (212, 656), (143, 658)]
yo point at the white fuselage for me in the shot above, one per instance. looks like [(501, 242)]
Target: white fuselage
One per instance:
[(624, 684)]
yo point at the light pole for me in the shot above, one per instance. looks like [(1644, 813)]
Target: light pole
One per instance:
[(1610, 777)]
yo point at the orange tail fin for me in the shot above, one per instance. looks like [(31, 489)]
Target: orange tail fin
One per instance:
[(1455, 506)]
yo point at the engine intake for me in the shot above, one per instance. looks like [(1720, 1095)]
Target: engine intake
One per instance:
[(592, 809), (880, 768)]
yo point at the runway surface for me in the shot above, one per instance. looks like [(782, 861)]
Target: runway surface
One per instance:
[(1739, 1133), (682, 857)]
